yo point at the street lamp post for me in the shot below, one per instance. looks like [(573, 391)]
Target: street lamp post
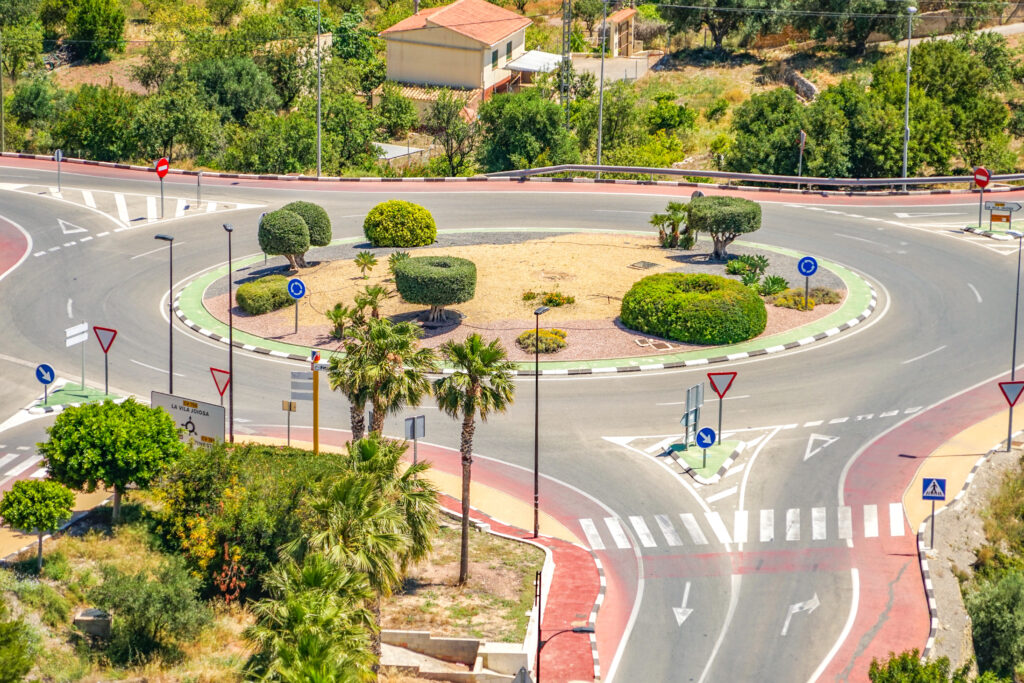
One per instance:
[(231, 346), (1013, 356), (536, 422), (906, 102), (319, 80), (170, 309), (600, 87)]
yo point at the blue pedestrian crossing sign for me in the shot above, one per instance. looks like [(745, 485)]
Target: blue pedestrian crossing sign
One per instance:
[(45, 374), (933, 489), (705, 438), (296, 288)]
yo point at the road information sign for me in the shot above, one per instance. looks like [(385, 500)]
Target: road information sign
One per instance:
[(76, 335), (720, 383), (105, 336), (200, 422), (1002, 206), (933, 489), (691, 418), (415, 428), (1011, 391), (45, 375)]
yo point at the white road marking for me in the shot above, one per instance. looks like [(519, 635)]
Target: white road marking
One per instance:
[(718, 526), (122, 208), (7, 458), (813, 423), (818, 524), (55, 192), (152, 251), (817, 443), (40, 474), (69, 309), (793, 524), (767, 526), (838, 420), (859, 239), (739, 526), (18, 469), (895, 519), (692, 528), (870, 521), (735, 469), (151, 214), (889, 413), (845, 523), (211, 207), (661, 445), (89, 200), (977, 294), (179, 208), (103, 234), (646, 538), (709, 400), (163, 370), (923, 355), (722, 494), (648, 213), (908, 411), (85, 239), (667, 530), (615, 529), (590, 531)]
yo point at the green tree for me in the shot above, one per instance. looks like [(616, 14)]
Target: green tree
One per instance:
[(268, 143), (16, 11), (767, 128), (524, 130), (19, 647), (371, 297), (22, 44), (352, 386), (176, 116), (224, 11), (827, 153), (37, 505), (96, 28), (36, 101), (907, 667), (235, 86), (119, 445), (721, 17), (481, 384), (290, 69), (724, 219), (456, 136), (996, 607), (396, 111), (158, 64), (284, 233), (53, 14), (387, 358), (352, 40), (349, 130), (668, 225), (97, 124), (588, 11), (625, 123)]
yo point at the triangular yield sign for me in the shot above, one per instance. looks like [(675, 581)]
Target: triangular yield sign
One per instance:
[(105, 336), (1012, 391), (222, 378), (721, 381)]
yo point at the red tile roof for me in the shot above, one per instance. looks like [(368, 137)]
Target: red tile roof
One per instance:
[(477, 19), (621, 15)]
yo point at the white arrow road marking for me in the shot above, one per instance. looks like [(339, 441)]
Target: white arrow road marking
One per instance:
[(805, 606), (812, 444), (924, 215), (974, 289), (69, 228), (683, 611)]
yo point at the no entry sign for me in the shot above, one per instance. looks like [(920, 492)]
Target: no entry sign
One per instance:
[(162, 166), (981, 176)]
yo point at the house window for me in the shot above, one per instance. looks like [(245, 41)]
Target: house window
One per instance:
[(508, 50), (494, 59)]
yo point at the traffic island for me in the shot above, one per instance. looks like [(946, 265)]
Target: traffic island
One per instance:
[(67, 395), (705, 470)]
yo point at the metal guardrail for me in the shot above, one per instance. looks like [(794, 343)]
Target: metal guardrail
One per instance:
[(749, 177)]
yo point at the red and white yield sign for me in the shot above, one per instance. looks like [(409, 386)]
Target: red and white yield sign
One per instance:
[(981, 176), (1012, 391), (162, 166), (222, 378), (105, 336), (721, 381)]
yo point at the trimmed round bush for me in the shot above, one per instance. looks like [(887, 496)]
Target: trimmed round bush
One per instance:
[(284, 233), (264, 295), (397, 223), (435, 281), (317, 220), (695, 309)]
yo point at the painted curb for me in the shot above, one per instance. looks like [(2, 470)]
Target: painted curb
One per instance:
[(43, 410), (872, 304), (713, 479), (492, 179)]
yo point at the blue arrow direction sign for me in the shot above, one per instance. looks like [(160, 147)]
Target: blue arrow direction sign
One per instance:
[(705, 438), (45, 374), (296, 288), (807, 266), (933, 489)]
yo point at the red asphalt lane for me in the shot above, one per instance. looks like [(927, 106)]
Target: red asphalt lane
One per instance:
[(14, 246), (575, 584), (396, 186)]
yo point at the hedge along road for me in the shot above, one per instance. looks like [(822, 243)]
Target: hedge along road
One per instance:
[(865, 372), (858, 305)]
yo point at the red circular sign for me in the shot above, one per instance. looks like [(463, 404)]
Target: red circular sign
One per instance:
[(162, 166), (981, 176)]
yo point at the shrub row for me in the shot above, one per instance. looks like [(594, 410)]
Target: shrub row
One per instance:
[(264, 295)]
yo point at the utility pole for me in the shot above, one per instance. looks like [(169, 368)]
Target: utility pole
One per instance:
[(565, 82), (906, 103), (600, 91), (319, 80), (3, 131)]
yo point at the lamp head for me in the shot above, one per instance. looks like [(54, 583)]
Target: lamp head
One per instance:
[(582, 629), (165, 238), (1015, 233), (911, 10), (228, 228), (542, 310)]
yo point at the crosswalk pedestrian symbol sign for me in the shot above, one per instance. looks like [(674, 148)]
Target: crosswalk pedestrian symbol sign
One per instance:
[(933, 489)]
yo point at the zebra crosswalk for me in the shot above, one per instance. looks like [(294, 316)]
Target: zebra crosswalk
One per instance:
[(19, 465), (791, 525)]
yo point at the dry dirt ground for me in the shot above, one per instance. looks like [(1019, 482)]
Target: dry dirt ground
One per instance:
[(593, 268)]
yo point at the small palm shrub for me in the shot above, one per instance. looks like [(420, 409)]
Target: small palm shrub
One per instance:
[(365, 261), (396, 258)]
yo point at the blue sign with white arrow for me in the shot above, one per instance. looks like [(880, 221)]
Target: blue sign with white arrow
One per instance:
[(933, 489), (45, 374), (807, 266), (705, 438), (296, 288)]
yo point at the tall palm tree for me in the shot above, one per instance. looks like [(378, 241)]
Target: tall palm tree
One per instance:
[(341, 378), (385, 359), (481, 384)]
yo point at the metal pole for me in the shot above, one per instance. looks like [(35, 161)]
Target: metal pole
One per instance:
[(83, 363), (58, 173), (600, 91), (3, 130), (170, 318), (981, 205), (296, 316), (1013, 356), (931, 544), (807, 289), (289, 429), (231, 347), (106, 373), (415, 450), (161, 198), (536, 436), (539, 615), (316, 412), (319, 80), (721, 400), (199, 189), (800, 166), (906, 102), (704, 464)]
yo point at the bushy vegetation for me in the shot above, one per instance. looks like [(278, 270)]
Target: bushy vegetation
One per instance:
[(695, 309), (436, 281), (263, 295), (397, 223), (724, 219), (317, 221), (552, 299), (549, 340), (285, 233)]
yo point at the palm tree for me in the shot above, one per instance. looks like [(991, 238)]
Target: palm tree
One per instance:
[(480, 385), (339, 378), (372, 297), (365, 261), (341, 316), (385, 359)]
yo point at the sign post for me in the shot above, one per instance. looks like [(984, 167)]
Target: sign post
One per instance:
[(415, 428), (1011, 392), (807, 266), (705, 440), (297, 290), (105, 336), (302, 389), (720, 383), (162, 166), (981, 178), (289, 407), (45, 375), (691, 418), (316, 366), (76, 335), (1001, 212), (221, 379), (58, 156), (933, 489)]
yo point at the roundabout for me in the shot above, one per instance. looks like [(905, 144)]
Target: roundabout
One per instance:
[(834, 430)]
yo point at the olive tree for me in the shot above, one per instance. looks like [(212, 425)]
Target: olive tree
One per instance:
[(724, 219), (37, 505)]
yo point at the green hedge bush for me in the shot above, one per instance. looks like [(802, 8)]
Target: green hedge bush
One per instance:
[(396, 223), (436, 281), (284, 233), (695, 309), (317, 221), (264, 295)]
